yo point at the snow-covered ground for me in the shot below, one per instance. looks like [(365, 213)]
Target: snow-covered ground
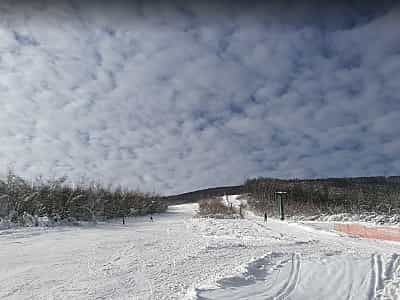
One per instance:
[(179, 256), (371, 217)]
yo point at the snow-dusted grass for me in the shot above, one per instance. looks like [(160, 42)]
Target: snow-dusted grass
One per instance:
[(181, 257)]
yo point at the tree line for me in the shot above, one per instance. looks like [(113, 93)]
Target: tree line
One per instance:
[(330, 196)]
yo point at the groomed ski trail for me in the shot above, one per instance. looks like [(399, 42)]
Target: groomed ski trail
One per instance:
[(179, 256)]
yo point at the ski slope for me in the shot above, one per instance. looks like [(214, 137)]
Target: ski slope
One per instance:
[(181, 257)]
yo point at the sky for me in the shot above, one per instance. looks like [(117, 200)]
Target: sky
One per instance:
[(173, 96)]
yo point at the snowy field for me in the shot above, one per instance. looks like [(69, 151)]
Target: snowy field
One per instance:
[(181, 257)]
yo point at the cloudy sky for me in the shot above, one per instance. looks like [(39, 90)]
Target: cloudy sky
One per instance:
[(171, 97)]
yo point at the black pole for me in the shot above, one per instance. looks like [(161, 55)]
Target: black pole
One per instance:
[(281, 207)]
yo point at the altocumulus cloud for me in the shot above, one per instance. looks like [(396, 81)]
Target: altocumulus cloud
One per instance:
[(175, 96)]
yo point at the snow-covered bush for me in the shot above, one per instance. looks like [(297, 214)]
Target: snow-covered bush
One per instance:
[(215, 207), (367, 217), (4, 223), (54, 202)]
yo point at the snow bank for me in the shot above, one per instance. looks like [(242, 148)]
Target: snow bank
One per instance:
[(5, 224), (236, 200), (371, 217)]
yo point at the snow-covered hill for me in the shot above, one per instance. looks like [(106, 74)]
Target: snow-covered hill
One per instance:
[(181, 257)]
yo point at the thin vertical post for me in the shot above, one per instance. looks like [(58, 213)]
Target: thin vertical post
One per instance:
[(282, 213)]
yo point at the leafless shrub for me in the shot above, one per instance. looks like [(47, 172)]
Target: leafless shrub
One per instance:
[(59, 201), (214, 207)]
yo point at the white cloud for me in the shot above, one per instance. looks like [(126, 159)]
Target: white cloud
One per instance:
[(174, 97)]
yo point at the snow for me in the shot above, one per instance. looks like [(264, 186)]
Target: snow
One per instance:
[(371, 217), (235, 200), (343, 277), (181, 257)]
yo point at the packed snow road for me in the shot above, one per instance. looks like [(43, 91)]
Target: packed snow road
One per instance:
[(181, 257)]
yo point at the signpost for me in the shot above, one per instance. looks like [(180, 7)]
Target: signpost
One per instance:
[(280, 197)]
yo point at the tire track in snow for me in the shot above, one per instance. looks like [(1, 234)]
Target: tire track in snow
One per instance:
[(346, 275), (383, 276), (391, 279), (291, 284), (351, 274), (377, 274), (391, 267)]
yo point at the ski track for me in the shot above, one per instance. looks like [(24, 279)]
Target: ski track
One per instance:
[(344, 279), (182, 257), (290, 285)]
